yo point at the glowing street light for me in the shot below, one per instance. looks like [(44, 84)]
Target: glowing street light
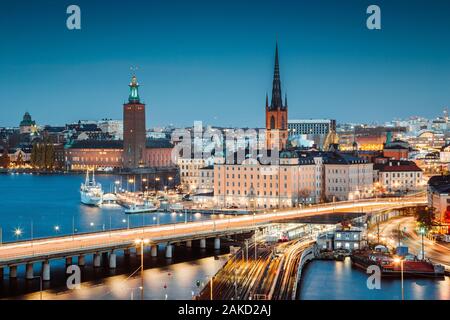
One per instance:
[(18, 232), (142, 242), (57, 228), (422, 232), (397, 260)]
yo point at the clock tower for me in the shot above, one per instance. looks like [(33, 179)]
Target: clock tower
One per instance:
[(133, 128)]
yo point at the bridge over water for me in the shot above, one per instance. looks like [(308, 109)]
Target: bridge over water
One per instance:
[(104, 245)]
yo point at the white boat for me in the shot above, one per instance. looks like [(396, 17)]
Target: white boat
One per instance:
[(109, 200), (146, 207), (176, 207), (91, 192)]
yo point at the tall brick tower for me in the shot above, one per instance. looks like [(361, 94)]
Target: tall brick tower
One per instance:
[(276, 113), (133, 128)]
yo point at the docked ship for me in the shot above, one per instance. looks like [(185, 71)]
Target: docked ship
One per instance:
[(136, 208), (411, 265), (91, 191)]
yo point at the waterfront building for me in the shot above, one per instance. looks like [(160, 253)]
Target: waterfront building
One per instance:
[(298, 178), (255, 185), (349, 239), (95, 154), (194, 173), (276, 113), (20, 155), (133, 129), (439, 198), (399, 175), (158, 153)]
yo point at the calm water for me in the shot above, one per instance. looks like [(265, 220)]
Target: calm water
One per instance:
[(36, 204), (337, 280)]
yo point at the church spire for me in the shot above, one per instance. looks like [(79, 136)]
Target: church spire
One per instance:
[(276, 86), (134, 91)]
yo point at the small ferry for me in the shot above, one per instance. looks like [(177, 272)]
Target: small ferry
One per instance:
[(136, 208), (91, 191), (176, 207)]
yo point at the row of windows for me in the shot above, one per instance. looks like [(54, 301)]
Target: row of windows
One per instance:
[(400, 182), (250, 168), (403, 174), (82, 159)]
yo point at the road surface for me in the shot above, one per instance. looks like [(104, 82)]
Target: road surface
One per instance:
[(33, 250), (438, 252)]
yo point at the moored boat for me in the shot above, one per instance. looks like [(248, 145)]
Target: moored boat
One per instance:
[(91, 192), (146, 207)]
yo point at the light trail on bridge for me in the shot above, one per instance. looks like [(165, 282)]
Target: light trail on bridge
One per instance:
[(52, 248)]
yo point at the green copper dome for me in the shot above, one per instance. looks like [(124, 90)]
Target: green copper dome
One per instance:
[(134, 91)]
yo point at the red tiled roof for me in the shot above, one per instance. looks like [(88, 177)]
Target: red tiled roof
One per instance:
[(400, 168)]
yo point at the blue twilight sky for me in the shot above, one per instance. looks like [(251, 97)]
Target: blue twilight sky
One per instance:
[(213, 60)]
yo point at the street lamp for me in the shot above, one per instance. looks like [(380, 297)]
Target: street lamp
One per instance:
[(422, 232), (142, 242), (57, 229), (397, 260), (17, 232)]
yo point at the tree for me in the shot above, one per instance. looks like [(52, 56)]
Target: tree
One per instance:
[(425, 218), (4, 159), (49, 156), (19, 160), (34, 155), (303, 195)]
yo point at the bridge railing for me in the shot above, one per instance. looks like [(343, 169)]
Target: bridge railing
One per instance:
[(166, 232)]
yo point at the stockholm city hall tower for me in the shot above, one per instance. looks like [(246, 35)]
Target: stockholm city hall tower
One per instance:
[(133, 128), (276, 113)]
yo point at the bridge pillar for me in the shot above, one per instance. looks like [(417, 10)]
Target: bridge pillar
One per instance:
[(189, 243), (203, 243), (68, 261), (46, 270), (1, 273), (112, 260), (13, 272), (97, 260), (29, 271), (154, 250), (126, 252), (169, 251), (81, 260), (216, 243)]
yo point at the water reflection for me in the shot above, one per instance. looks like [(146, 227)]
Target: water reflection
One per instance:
[(337, 280), (175, 282), (38, 203)]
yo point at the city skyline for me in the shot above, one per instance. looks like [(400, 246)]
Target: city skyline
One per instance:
[(331, 64)]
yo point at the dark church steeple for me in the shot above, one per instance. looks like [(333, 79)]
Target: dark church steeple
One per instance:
[(276, 85), (276, 112)]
